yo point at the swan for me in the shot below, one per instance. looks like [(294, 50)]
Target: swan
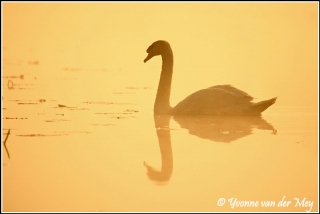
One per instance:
[(215, 100)]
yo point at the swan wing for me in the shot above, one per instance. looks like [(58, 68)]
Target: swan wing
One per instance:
[(236, 92), (214, 100)]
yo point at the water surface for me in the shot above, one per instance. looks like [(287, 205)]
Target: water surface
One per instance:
[(78, 101), (89, 153)]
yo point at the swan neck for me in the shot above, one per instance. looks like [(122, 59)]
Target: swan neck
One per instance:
[(162, 103)]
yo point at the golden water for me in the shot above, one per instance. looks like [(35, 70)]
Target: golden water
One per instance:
[(78, 101)]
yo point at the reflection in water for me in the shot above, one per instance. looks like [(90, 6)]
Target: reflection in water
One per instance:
[(164, 139), (222, 129), (215, 128)]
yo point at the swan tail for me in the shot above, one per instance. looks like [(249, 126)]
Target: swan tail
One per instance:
[(259, 107)]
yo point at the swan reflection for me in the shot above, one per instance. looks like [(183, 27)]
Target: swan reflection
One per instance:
[(164, 139), (222, 129), (217, 129)]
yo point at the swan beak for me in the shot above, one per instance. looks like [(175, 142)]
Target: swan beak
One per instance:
[(148, 57)]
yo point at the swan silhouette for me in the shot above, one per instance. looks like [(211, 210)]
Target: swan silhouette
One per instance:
[(215, 100)]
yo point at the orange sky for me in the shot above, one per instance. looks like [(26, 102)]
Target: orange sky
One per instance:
[(266, 49)]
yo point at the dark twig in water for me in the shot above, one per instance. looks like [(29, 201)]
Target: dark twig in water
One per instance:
[(4, 143)]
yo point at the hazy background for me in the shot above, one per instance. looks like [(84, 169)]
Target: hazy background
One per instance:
[(265, 49), (80, 105)]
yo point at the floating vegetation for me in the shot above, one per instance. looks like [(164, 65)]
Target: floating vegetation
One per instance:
[(113, 113), (75, 132), (21, 86), (71, 108), (15, 118), (25, 84), (41, 135), (56, 120), (24, 88), (64, 106), (126, 112), (108, 103), (33, 62), (124, 93), (27, 103), (73, 69), (102, 124), (138, 87), (119, 117), (131, 110), (15, 77), (62, 133)]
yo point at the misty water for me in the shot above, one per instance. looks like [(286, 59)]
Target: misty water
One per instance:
[(74, 150), (78, 129)]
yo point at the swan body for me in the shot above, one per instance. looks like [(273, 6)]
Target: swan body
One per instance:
[(215, 100)]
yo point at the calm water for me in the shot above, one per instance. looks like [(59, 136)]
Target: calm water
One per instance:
[(78, 101), (72, 149)]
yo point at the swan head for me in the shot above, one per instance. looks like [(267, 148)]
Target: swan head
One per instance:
[(157, 48)]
